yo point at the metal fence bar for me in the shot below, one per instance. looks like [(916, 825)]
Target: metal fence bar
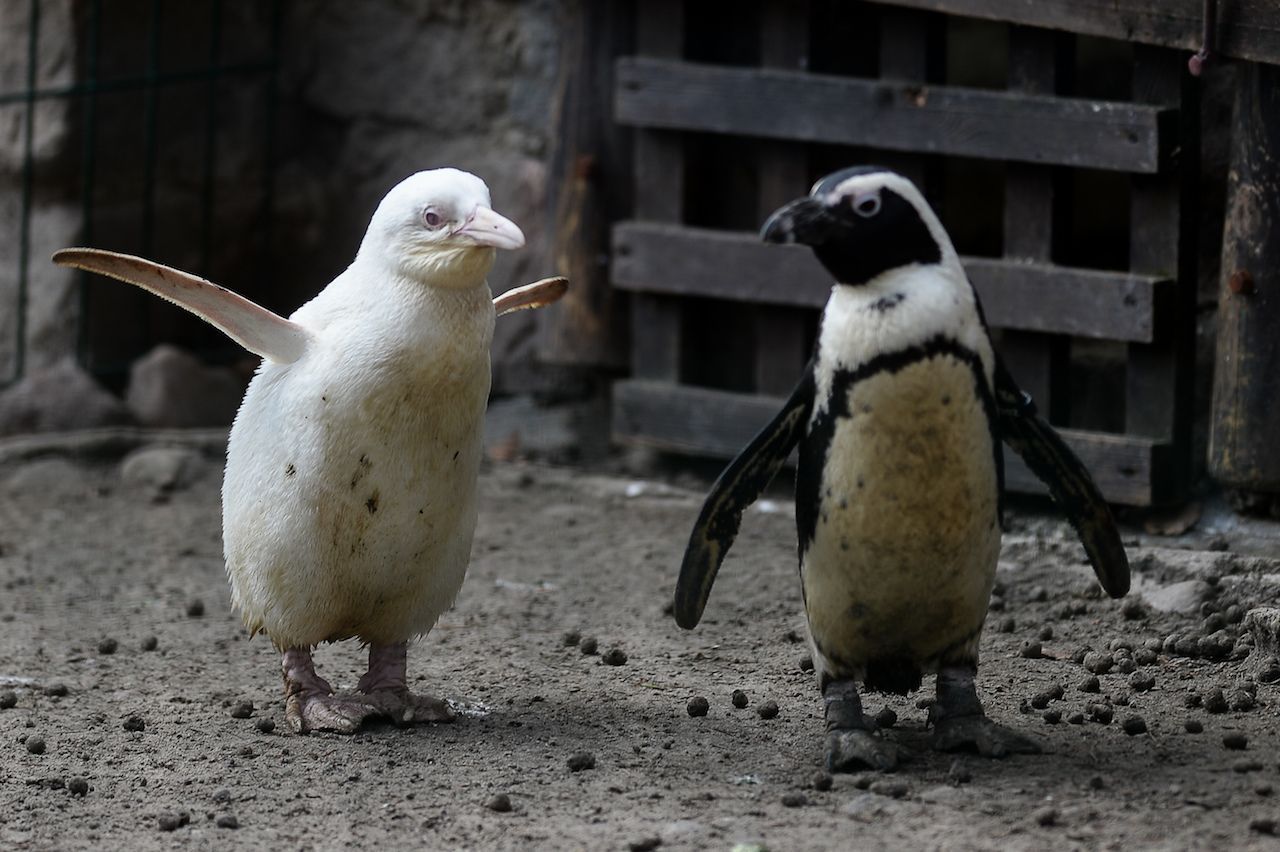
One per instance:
[(28, 190), (210, 140), (88, 176)]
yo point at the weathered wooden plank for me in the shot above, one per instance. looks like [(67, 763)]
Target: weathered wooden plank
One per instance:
[(702, 421), (1248, 29), (656, 340), (898, 116), (1246, 388), (678, 260)]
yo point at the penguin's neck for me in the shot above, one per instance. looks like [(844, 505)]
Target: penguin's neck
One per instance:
[(898, 310)]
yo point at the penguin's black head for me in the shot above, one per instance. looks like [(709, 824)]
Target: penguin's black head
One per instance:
[(860, 222)]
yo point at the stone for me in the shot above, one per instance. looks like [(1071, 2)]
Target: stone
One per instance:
[(161, 470), (1184, 597), (59, 398), (171, 388)]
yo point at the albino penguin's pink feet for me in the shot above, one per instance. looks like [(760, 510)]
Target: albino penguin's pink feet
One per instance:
[(383, 687), (309, 702), (311, 705)]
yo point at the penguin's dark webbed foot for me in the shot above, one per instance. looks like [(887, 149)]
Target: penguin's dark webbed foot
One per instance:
[(959, 722), (852, 741), (961, 733)]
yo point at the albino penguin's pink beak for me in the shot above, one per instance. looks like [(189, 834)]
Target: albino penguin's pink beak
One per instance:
[(487, 228)]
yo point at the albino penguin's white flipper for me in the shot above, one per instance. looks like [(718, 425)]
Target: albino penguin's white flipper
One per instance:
[(252, 326), (539, 294)]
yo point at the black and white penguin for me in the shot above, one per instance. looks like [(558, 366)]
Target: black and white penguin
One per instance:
[(899, 418)]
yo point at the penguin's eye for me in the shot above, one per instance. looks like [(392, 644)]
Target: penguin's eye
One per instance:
[(431, 218), (867, 205)]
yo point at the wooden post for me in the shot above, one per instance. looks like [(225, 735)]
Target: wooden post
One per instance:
[(1158, 375), (592, 183), (659, 187), (1037, 361), (780, 351), (1245, 422)]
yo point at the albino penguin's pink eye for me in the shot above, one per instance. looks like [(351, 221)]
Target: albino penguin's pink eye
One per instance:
[(432, 218)]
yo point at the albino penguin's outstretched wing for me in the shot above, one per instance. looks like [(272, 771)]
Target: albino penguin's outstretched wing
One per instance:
[(252, 326), (736, 489), (1053, 462), (539, 294)]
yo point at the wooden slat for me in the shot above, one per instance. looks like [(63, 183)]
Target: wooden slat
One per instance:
[(660, 258), (1249, 29), (702, 421), (895, 116)]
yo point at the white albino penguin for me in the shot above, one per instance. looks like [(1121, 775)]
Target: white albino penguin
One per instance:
[(898, 418), (349, 500)]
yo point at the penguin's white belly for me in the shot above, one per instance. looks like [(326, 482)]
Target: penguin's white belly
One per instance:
[(906, 533), (349, 502)]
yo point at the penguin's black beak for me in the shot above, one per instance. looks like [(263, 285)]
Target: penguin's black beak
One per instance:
[(806, 220)]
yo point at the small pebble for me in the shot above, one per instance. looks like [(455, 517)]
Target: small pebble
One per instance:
[(1046, 817), (570, 638), (822, 781), (1098, 663), (1075, 719), (614, 657), (265, 725), (1041, 700), (8, 699), (1046, 633), (1097, 782), (169, 822), (863, 782), (698, 706), (1134, 725), (1101, 713), (1030, 650), (242, 710), (134, 724), (1090, 684), (57, 690), (889, 787), (1126, 664), (1235, 741), (1052, 717), (645, 844), (806, 663), (795, 800), (1007, 625), (1215, 702), (150, 643), (1141, 681), (35, 745), (78, 787), (1263, 788), (501, 803), (581, 760), (1262, 825), (108, 646), (768, 709), (739, 699), (195, 608), (1146, 657), (1193, 726), (588, 645), (1078, 655), (886, 718), (227, 821), (1246, 764)]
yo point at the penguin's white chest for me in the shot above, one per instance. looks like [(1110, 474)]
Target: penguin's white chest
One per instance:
[(349, 501), (906, 530)]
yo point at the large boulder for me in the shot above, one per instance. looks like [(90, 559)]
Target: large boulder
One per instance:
[(170, 388), (59, 398)]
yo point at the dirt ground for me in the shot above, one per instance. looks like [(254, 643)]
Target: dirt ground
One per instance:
[(142, 749)]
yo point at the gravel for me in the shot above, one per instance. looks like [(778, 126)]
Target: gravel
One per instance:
[(108, 646), (614, 657), (134, 724), (1235, 741), (698, 706), (500, 803), (242, 710), (580, 760), (768, 709), (739, 699)]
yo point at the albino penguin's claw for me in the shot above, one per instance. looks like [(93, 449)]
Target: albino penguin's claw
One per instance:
[(984, 736), (341, 714), (405, 708), (855, 748)]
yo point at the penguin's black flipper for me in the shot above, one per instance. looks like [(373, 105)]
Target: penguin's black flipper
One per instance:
[(1053, 462), (738, 486)]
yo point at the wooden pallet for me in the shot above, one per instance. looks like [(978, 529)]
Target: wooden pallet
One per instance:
[(911, 119)]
